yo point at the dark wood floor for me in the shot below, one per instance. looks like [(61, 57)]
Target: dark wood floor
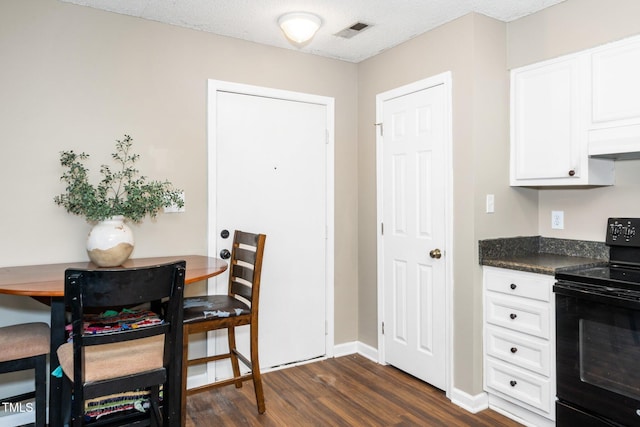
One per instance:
[(345, 391)]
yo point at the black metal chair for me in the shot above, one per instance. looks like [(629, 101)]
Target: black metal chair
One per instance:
[(126, 359), (22, 347), (239, 306)]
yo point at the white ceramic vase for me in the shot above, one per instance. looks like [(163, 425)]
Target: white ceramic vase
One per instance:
[(110, 242)]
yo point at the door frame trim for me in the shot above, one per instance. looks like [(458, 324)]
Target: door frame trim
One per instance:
[(440, 79), (214, 86)]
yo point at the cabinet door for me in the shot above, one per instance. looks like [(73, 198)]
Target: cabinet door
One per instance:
[(546, 119), (614, 127), (616, 84)]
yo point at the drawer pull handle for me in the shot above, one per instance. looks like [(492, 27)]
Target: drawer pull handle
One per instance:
[(513, 383), (513, 286), (514, 350), (513, 316)]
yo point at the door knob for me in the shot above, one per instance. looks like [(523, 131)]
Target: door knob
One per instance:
[(225, 254), (435, 253)]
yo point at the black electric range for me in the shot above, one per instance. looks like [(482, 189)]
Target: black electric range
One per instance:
[(598, 335)]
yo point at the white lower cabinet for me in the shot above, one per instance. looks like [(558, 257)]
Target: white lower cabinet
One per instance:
[(519, 344)]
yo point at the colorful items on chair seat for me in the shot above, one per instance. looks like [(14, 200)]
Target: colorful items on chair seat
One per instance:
[(113, 321)]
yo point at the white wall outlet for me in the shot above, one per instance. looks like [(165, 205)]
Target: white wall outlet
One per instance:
[(490, 203), (174, 208), (557, 220)]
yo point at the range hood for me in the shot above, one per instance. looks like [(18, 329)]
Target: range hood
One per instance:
[(619, 143)]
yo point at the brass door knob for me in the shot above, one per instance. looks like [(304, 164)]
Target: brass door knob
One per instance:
[(435, 253)]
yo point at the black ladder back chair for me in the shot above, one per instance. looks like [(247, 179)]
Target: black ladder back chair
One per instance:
[(22, 347), (236, 308), (131, 358)]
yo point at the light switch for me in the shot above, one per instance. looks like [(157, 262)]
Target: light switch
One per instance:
[(490, 203)]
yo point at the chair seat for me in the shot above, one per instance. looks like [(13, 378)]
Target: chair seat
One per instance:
[(213, 306), (24, 340), (115, 360)]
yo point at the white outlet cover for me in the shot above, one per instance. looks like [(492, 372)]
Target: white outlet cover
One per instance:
[(557, 220)]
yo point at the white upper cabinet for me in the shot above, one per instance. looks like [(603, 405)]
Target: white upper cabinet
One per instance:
[(571, 116), (549, 126), (614, 125)]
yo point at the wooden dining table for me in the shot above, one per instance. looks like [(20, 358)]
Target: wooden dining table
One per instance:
[(46, 284)]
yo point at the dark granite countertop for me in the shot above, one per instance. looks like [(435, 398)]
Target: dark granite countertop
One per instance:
[(542, 255)]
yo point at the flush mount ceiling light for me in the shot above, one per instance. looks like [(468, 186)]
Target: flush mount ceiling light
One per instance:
[(299, 27)]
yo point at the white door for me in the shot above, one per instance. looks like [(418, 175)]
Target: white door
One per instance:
[(269, 161), (413, 177)]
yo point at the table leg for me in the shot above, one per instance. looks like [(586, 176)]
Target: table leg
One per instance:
[(56, 385)]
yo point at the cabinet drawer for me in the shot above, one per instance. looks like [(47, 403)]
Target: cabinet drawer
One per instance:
[(518, 314), (519, 385), (518, 283), (518, 349)]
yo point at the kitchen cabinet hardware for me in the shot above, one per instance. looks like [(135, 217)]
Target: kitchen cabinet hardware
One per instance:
[(514, 350), (513, 383), (513, 316), (572, 172), (513, 286)]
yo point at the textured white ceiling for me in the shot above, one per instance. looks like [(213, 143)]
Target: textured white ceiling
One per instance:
[(392, 21)]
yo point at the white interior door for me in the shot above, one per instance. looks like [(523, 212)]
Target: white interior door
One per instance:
[(413, 177), (269, 160)]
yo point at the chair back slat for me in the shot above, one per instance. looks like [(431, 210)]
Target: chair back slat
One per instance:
[(120, 287), (244, 238), (242, 272), (242, 290), (246, 255)]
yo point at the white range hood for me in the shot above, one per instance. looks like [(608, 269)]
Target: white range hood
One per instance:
[(620, 143)]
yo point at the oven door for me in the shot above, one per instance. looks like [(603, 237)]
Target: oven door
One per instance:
[(598, 352)]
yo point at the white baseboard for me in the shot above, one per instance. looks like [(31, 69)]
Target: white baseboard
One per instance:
[(354, 347), (473, 404), (345, 349)]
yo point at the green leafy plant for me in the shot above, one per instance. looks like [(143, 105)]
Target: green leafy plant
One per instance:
[(120, 192)]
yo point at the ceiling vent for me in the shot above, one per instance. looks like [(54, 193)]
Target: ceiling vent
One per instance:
[(353, 30)]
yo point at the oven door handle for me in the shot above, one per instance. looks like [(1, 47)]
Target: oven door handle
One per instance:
[(600, 295)]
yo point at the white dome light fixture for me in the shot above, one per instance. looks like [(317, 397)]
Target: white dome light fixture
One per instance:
[(299, 27)]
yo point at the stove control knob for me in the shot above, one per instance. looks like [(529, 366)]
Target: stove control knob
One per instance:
[(629, 232), (615, 230)]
